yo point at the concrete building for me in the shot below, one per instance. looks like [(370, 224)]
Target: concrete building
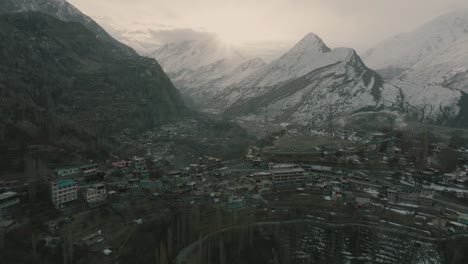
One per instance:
[(67, 172), (140, 169), (96, 194), (7, 201), (287, 174), (63, 191), (212, 163), (74, 172)]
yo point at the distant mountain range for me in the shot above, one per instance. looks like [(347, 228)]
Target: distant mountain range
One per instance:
[(424, 78)]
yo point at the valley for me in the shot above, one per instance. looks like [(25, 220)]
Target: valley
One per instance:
[(199, 151)]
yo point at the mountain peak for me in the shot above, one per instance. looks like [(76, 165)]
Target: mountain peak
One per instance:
[(311, 42)]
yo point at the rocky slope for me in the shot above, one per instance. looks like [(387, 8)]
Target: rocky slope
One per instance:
[(63, 10), (60, 82)]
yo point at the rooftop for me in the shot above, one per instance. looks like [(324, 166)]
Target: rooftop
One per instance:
[(6, 195), (261, 173), (65, 182)]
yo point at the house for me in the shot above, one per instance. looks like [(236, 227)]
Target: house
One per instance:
[(344, 182), (96, 194), (89, 168), (393, 195), (122, 164), (463, 218), (6, 225), (88, 172), (173, 173), (93, 175), (63, 191), (336, 194), (212, 163), (140, 168), (222, 172), (133, 183), (264, 186), (363, 201), (261, 176), (7, 201), (236, 202), (287, 174), (67, 172)]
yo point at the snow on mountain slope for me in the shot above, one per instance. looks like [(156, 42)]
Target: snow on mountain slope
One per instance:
[(428, 103), (308, 54), (303, 84), (310, 80), (436, 53), (205, 83), (242, 71), (201, 69), (191, 55)]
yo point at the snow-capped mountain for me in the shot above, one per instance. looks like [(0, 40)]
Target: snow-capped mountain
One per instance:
[(201, 69), (63, 10), (303, 84), (193, 54), (310, 80), (433, 54)]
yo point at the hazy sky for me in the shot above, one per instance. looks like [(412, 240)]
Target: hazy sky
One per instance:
[(265, 24)]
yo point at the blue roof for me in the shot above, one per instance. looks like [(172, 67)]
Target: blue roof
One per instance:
[(65, 182)]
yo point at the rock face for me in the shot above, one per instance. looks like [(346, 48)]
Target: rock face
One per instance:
[(63, 10), (64, 68), (60, 82)]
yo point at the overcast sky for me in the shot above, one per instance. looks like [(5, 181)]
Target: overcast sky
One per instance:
[(264, 24)]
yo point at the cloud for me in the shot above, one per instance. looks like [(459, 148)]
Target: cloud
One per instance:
[(340, 23), (165, 36)]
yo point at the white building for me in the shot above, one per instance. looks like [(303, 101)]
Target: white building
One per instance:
[(139, 167), (63, 191), (96, 194), (287, 174), (7, 200)]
